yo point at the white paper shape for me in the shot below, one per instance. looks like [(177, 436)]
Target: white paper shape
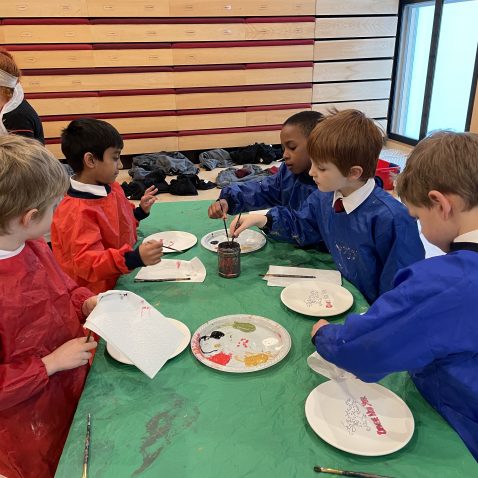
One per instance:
[(323, 275), (117, 355), (262, 212), (327, 369), (135, 328), (174, 269)]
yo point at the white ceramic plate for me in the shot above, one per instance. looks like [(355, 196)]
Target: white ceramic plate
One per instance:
[(240, 343), (178, 239), (319, 299), (361, 418), (249, 240), (117, 355), (327, 369)]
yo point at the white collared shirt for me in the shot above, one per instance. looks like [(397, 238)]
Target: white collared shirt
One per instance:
[(8, 254), (88, 188), (354, 200), (471, 236)]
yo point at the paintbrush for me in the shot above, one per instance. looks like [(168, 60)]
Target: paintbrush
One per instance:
[(238, 223), (224, 221), (292, 276), (357, 474), (88, 336), (171, 279), (87, 447), (172, 248)]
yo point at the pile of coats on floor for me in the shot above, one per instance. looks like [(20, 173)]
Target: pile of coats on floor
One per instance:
[(151, 170)]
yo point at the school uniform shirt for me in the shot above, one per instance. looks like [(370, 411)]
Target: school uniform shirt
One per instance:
[(40, 310), (24, 121), (93, 233), (370, 241), (282, 189), (426, 325)]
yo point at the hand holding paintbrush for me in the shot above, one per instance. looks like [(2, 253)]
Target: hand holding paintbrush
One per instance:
[(218, 209), (240, 224), (151, 252)]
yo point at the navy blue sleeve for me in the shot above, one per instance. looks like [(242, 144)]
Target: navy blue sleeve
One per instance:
[(139, 214), (133, 259), (24, 121), (254, 195), (405, 329), (300, 226)]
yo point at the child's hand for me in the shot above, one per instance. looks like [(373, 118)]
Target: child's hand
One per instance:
[(151, 252), (71, 354), (218, 209), (246, 222), (148, 199), (317, 326), (89, 305)]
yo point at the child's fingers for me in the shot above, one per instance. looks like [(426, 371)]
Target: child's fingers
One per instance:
[(151, 189), (236, 228), (153, 242), (215, 212), (88, 345)]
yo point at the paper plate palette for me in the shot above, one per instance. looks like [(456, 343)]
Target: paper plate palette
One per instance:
[(178, 239), (319, 299), (240, 343), (117, 355), (360, 418), (249, 240)]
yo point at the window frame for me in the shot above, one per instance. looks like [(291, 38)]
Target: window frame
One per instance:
[(427, 97)]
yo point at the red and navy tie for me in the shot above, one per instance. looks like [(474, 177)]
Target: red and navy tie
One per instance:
[(339, 205)]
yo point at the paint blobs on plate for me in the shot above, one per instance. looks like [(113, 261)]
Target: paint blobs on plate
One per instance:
[(240, 343)]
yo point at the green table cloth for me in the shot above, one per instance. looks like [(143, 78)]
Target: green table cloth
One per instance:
[(191, 421)]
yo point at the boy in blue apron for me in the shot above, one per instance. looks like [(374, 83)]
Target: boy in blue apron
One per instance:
[(427, 324), (369, 234), (290, 186)]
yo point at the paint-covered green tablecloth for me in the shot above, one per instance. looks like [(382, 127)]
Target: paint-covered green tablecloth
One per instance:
[(191, 421)]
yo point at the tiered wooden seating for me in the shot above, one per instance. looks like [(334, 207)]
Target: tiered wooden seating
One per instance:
[(227, 137), (40, 30), (244, 96), (167, 29), (195, 74), (183, 120), (45, 8), (353, 55), (242, 52), (168, 99)]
